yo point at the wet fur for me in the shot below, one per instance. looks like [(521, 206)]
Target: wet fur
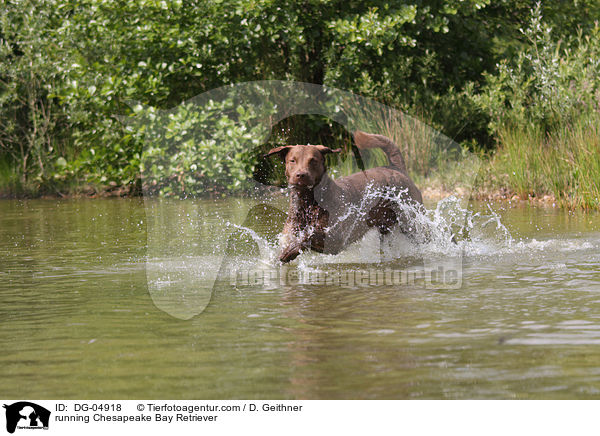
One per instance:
[(319, 217)]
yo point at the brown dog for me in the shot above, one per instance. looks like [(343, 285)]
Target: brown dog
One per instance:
[(327, 215)]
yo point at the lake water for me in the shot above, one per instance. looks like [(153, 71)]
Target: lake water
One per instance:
[(114, 298)]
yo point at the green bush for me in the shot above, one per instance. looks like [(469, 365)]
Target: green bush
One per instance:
[(197, 150), (544, 106), (68, 68), (550, 83), (32, 122)]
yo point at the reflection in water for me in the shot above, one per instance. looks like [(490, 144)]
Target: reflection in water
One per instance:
[(77, 318)]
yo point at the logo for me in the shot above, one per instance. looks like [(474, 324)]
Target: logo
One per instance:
[(24, 414)]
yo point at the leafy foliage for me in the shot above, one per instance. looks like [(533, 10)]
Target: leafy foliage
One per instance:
[(197, 150), (548, 84), (69, 68)]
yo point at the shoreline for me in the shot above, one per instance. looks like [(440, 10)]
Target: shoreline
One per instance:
[(502, 195), (430, 193)]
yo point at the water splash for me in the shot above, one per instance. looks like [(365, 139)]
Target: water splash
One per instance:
[(448, 230), (183, 274)]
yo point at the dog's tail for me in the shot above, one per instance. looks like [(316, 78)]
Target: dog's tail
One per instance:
[(369, 140)]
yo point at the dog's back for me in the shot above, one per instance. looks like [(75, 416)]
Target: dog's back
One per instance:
[(395, 175)]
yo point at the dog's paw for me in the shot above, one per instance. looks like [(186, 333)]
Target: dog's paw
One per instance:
[(290, 253)]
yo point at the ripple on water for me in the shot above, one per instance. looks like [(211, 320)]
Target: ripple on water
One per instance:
[(523, 323)]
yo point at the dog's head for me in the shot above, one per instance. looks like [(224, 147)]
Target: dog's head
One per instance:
[(304, 164)]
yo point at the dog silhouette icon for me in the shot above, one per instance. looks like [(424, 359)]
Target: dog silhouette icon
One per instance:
[(26, 414)]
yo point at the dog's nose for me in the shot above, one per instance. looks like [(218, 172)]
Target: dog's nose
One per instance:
[(301, 177)]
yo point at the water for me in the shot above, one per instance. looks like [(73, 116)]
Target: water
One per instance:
[(127, 299)]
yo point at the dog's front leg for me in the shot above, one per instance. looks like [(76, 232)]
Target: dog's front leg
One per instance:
[(293, 242), (314, 241)]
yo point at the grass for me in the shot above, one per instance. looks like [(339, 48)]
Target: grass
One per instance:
[(564, 163), (10, 181), (529, 162), (13, 186), (433, 160), (423, 148)]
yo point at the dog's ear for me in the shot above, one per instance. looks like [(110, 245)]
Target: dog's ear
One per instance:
[(326, 150), (282, 151)]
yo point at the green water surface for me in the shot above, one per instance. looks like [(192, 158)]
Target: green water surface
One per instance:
[(77, 319)]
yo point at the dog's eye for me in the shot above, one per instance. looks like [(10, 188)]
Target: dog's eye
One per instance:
[(312, 161), (292, 160)]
